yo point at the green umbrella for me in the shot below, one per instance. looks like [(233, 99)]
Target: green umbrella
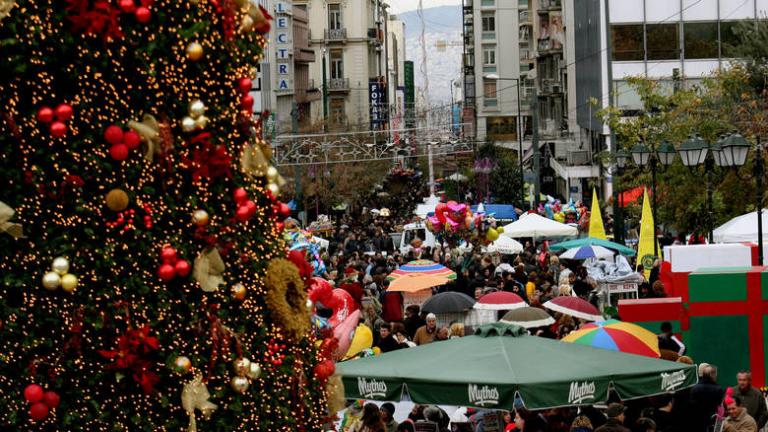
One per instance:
[(501, 362), (591, 241)]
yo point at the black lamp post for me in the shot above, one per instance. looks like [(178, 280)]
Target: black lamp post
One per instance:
[(658, 161), (620, 159)]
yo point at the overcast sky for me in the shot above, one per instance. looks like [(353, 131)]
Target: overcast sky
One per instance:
[(399, 6)]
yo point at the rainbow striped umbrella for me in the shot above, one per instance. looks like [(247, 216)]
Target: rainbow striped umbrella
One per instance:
[(426, 267), (615, 335)]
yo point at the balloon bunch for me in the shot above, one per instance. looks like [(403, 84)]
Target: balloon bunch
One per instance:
[(454, 220), (573, 212), (303, 241)]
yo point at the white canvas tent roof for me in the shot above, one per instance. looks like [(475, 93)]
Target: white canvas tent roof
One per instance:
[(741, 229), (533, 225)]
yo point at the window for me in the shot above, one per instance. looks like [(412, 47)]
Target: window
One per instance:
[(627, 42), (728, 38), (700, 40), (489, 21), (337, 64), (489, 89), (489, 56), (662, 41), (334, 16), (626, 97), (336, 108), (502, 128)]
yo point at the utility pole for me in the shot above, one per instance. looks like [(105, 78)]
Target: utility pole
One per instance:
[(297, 173), (325, 94), (535, 144)]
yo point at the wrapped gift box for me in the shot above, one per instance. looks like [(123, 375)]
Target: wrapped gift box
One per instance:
[(650, 313)]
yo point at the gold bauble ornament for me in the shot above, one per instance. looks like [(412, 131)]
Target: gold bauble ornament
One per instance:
[(200, 218), (239, 292), (188, 124), (239, 384), (254, 372), (201, 122), (246, 24), (196, 108), (60, 265), (272, 174), (274, 189), (182, 364), (242, 366), (69, 282), (117, 200), (194, 51), (51, 281)]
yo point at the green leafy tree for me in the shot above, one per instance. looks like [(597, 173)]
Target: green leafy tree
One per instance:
[(130, 156), (504, 178)]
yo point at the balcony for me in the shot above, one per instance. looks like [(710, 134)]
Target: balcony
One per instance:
[(548, 45), (338, 85), (375, 36), (549, 5), (525, 18), (336, 35), (303, 55), (551, 87), (309, 94)]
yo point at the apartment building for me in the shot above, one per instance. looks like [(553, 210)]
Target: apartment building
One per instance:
[(349, 37), (659, 39), (396, 72)]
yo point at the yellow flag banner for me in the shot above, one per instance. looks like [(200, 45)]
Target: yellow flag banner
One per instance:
[(646, 254), (596, 228)]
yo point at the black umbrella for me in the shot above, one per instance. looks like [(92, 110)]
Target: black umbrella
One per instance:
[(448, 302)]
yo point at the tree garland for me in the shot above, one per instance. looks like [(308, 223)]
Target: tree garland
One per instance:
[(287, 300)]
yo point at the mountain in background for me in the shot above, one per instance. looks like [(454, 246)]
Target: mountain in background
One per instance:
[(442, 28)]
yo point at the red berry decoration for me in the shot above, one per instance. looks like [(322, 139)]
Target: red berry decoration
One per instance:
[(64, 112), (38, 411), (143, 15), (168, 254), (242, 214), (245, 85), (182, 268), (45, 115), (127, 6), (113, 134), (51, 399), (131, 140), (247, 102), (58, 129), (33, 393), (240, 195), (119, 152), (251, 206), (166, 272)]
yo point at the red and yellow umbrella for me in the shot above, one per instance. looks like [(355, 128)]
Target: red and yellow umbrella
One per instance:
[(615, 335), (423, 267)]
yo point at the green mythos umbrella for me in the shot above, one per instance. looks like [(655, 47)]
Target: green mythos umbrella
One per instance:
[(501, 362), (591, 241)]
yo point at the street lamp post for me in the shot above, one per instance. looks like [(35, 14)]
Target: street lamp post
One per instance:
[(621, 157), (519, 131), (696, 151), (658, 160)]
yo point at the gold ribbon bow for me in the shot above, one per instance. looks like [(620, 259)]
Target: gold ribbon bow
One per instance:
[(10, 228), (253, 162), (149, 129), (208, 269), (195, 397)]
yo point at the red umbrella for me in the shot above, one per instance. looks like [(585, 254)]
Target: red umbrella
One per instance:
[(574, 307), (500, 300)]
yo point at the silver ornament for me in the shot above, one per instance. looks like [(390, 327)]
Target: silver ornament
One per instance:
[(188, 124), (242, 366), (51, 281), (196, 108), (254, 371), (272, 174), (239, 384), (60, 265)]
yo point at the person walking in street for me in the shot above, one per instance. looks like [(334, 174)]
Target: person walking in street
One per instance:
[(706, 397), (426, 333), (738, 420), (616, 417), (752, 398)]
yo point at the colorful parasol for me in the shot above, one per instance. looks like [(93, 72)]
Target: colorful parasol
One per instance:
[(423, 267), (587, 251), (575, 307), (616, 335), (416, 282), (500, 300)]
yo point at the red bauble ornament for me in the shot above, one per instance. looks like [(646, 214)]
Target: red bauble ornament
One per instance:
[(38, 411), (58, 129), (324, 370), (51, 399), (113, 134), (119, 152), (168, 255), (131, 140), (33, 393), (166, 272), (45, 114), (127, 6), (245, 85), (242, 213), (64, 112), (280, 226), (143, 15), (247, 102), (240, 195), (285, 210), (251, 207), (182, 268)]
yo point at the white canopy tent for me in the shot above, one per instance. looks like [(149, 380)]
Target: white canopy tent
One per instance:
[(505, 246), (741, 229), (457, 177), (533, 225)]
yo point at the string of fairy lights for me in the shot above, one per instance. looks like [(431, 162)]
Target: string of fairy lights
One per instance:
[(54, 338)]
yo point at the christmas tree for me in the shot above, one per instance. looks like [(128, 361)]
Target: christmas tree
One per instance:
[(143, 279)]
